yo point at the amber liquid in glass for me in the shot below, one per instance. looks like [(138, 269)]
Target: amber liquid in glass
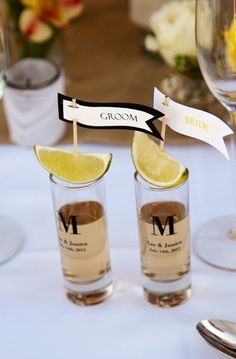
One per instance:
[(165, 252), (164, 241), (83, 241)]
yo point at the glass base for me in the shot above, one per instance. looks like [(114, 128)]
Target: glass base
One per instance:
[(167, 300), (167, 294), (187, 90), (11, 238), (215, 243), (89, 294)]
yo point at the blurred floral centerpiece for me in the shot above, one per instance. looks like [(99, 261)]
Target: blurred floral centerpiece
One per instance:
[(37, 23), (173, 38)]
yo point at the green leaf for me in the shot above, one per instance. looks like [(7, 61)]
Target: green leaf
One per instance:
[(187, 65)]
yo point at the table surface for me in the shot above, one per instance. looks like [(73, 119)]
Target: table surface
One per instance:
[(37, 321)]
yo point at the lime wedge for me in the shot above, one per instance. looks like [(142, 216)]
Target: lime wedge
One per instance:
[(155, 166), (73, 167)]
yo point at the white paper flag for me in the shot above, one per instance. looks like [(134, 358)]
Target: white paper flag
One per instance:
[(194, 123)]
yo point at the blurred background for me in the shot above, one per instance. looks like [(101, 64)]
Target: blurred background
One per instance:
[(107, 57)]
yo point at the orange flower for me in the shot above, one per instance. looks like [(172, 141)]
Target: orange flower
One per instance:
[(38, 18)]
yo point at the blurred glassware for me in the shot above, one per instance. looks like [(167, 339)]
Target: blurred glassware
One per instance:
[(215, 243), (176, 46), (11, 235), (30, 102)]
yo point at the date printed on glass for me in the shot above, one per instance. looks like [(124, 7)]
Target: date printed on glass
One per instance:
[(164, 238)]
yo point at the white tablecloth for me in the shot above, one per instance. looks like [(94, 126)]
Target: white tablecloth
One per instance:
[(36, 319)]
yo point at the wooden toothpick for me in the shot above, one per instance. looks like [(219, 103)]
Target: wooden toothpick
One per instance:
[(163, 126), (75, 133)]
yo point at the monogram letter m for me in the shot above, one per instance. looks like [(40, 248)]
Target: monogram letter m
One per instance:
[(159, 229), (72, 220)]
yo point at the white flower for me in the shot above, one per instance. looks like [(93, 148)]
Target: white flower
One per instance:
[(173, 27)]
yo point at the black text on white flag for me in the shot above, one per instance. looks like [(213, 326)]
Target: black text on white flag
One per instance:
[(109, 115)]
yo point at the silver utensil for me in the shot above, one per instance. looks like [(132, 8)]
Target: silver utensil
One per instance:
[(220, 334)]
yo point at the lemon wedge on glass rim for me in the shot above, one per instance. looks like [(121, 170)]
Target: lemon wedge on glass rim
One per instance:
[(73, 167), (156, 166)]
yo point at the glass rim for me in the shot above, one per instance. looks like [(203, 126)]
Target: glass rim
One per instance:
[(72, 186), (141, 182), (37, 86)]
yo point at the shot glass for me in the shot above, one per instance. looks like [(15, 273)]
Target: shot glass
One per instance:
[(83, 240), (163, 220)]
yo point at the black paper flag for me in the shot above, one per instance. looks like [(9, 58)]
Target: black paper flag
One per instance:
[(109, 115)]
